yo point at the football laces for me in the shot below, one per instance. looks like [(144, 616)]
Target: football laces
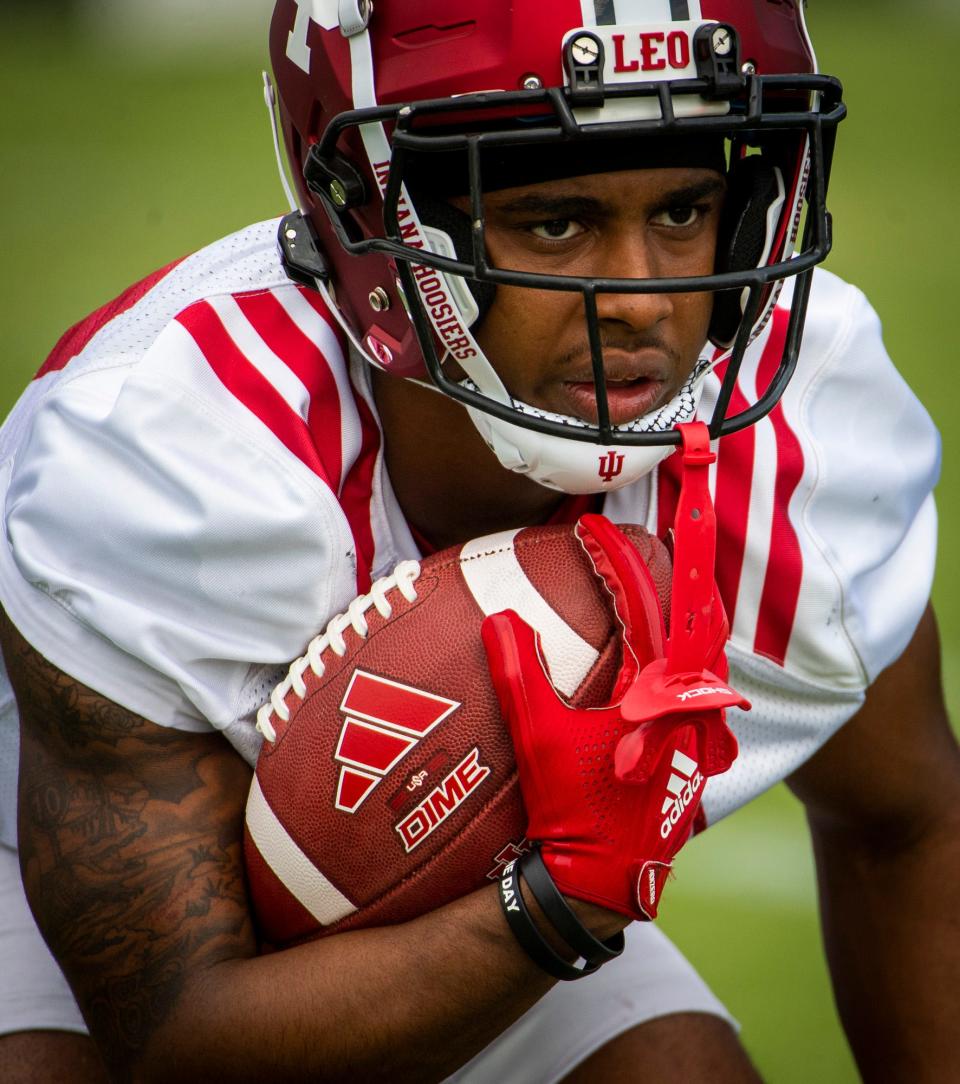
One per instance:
[(402, 579)]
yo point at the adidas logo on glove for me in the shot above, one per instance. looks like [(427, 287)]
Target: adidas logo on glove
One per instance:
[(683, 786)]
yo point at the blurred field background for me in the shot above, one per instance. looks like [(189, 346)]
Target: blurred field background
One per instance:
[(133, 133)]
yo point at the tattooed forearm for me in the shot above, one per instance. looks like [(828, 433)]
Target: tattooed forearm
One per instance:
[(130, 845)]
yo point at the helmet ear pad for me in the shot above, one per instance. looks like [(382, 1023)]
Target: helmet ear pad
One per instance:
[(751, 215), (441, 215)]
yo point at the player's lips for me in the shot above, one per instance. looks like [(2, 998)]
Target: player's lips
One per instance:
[(632, 391), (625, 401)]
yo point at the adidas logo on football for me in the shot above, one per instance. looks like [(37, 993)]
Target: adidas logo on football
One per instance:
[(683, 786), (384, 721)]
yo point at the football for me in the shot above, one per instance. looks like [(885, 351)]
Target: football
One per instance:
[(386, 784)]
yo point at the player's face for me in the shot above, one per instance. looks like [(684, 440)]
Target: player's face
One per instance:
[(659, 223)]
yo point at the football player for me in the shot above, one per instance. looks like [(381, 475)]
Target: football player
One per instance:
[(528, 241)]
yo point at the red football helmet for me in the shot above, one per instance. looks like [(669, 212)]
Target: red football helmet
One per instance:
[(388, 109)]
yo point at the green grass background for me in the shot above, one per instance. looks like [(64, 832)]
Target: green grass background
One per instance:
[(114, 160)]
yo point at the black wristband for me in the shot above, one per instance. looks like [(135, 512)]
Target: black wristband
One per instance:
[(559, 912), (525, 930)]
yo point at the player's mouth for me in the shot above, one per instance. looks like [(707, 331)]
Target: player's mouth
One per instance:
[(640, 378), (629, 396)]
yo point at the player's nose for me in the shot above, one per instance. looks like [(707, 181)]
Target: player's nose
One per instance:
[(628, 255)]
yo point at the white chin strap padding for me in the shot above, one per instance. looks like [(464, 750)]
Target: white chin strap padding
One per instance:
[(571, 466), (577, 466)]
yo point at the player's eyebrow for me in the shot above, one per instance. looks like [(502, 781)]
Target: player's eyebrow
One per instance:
[(536, 205), (545, 206), (688, 194)]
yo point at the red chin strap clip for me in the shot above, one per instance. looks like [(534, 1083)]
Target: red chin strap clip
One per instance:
[(691, 680), (692, 592)]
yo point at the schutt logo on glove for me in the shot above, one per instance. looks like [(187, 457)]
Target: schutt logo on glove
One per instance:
[(684, 784)]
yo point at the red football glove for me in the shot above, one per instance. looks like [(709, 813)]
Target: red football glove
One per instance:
[(611, 793)]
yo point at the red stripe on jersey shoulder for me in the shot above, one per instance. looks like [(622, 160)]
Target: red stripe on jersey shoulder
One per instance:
[(356, 491), (356, 496), (304, 357), (736, 465), (320, 306), (781, 585), (287, 339), (356, 488), (248, 385), (76, 338), (317, 445)]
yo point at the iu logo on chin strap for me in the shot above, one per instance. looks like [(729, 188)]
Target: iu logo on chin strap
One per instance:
[(611, 465)]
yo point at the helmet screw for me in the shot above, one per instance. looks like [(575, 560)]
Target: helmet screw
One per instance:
[(722, 41), (532, 82), (338, 193), (749, 68), (379, 299), (585, 49)]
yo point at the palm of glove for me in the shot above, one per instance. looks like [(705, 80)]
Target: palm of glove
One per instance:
[(612, 793)]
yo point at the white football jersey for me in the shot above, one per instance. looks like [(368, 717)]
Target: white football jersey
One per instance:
[(194, 484)]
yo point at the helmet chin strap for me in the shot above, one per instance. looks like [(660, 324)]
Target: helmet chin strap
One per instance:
[(270, 101), (579, 467)]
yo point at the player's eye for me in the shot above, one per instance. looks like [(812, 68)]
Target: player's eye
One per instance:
[(559, 229), (679, 217)]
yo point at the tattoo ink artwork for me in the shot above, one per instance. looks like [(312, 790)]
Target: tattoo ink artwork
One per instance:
[(130, 846)]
